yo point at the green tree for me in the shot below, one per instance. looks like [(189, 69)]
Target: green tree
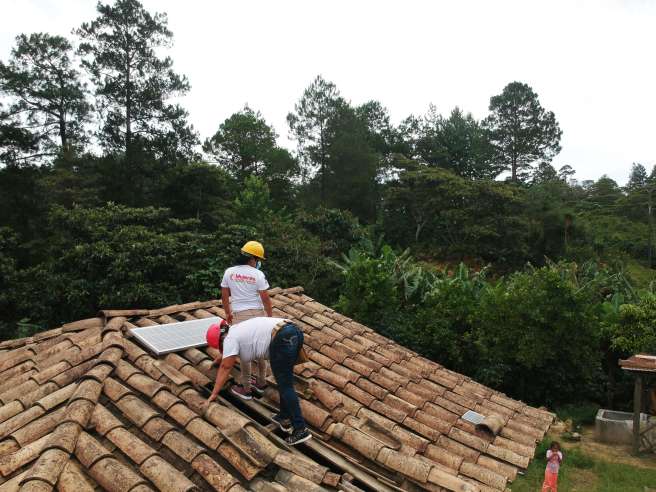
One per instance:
[(111, 256), (603, 195), (24, 205), (242, 143), (565, 172), (48, 98), (457, 143), (245, 145), (309, 125), (14, 140), (539, 326), (133, 84), (252, 202), (638, 177), (200, 191), (544, 173), (352, 166), (521, 130), (635, 330), (415, 204), (8, 267)]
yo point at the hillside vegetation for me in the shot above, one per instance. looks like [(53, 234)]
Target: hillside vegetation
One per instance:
[(109, 198)]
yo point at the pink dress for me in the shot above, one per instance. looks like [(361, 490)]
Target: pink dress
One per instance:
[(551, 472)]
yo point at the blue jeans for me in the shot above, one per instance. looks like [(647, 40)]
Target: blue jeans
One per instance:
[(283, 353)]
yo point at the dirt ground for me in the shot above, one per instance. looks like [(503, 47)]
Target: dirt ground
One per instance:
[(612, 453)]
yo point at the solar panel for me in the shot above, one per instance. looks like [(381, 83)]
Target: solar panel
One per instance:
[(473, 417), (172, 337)]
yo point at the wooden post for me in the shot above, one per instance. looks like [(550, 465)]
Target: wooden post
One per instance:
[(637, 409)]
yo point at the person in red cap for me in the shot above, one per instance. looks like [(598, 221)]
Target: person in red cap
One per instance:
[(281, 342)]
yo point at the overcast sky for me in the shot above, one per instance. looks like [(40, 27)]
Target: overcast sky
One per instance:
[(591, 62)]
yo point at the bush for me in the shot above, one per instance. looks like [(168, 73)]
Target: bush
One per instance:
[(539, 338), (535, 335), (578, 413)]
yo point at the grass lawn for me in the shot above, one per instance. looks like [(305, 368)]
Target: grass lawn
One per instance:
[(582, 471)]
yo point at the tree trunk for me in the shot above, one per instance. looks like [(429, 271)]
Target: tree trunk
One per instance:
[(418, 229), (62, 133), (651, 227), (513, 166), (128, 115), (322, 170)]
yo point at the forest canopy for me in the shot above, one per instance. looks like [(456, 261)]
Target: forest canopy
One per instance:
[(466, 241)]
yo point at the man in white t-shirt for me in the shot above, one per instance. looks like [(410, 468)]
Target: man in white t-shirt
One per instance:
[(244, 296), (278, 339)]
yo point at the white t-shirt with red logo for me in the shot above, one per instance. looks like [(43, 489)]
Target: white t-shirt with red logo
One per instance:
[(245, 284)]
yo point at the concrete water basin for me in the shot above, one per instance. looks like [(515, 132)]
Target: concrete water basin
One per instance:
[(616, 427)]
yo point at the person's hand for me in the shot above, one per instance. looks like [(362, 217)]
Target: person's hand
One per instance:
[(229, 318), (209, 400)]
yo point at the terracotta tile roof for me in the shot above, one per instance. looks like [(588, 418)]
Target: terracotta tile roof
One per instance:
[(83, 407), (639, 362)]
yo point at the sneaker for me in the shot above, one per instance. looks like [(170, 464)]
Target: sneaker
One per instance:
[(284, 424), (241, 392), (298, 436), (258, 389)]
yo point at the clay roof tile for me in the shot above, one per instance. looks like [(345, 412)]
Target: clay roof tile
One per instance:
[(392, 413), (204, 432), (89, 389), (322, 359), (421, 428), (401, 410), (144, 384), (11, 462), (136, 410), (64, 437), (39, 427), (157, 428), (73, 479), (371, 388), (137, 450), (20, 420), (48, 467), (214, 474), (358, 394), (10, 409), (115, 390), (114, 476), (165, 476), (103, 420)]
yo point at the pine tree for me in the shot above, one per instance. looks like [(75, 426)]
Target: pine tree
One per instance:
[(133, 84), (521, 130), (48, 98)]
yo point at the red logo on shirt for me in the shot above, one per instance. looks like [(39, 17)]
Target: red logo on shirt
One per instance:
[(238, 277)]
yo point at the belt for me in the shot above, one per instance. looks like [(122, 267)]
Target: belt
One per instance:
[(276, 328), (302, 356)]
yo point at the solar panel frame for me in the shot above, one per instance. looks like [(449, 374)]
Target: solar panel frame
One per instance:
[(473, 417), (173, 337)]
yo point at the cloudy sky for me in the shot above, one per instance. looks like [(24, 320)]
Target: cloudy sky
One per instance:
[(591, 62)]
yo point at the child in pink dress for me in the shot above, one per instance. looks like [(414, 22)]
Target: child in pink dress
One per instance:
[(554, 458)]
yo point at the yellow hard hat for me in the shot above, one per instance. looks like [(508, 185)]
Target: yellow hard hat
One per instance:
[(253, 248)]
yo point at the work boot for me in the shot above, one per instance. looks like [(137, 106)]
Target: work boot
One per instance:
[(241, 392), (298, 436)]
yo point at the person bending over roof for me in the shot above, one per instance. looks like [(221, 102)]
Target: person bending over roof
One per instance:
[(247, 285), (280, 340)]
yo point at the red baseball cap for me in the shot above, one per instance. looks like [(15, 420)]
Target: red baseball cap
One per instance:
[(215, 334)]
